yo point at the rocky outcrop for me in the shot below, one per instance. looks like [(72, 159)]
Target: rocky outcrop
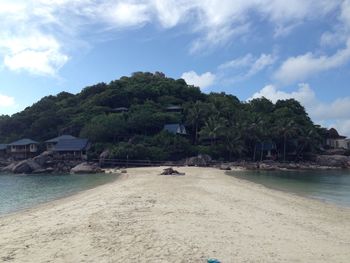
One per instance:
[(23, 167), (340, 161), (86, 168), (103, 156), (44, 158), (201, 160), (171, 171)]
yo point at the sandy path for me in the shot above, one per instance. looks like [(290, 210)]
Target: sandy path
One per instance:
[(152, 218)]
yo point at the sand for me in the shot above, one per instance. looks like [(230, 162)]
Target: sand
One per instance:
[(146, 217)]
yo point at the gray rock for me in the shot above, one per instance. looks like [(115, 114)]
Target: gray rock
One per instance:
[(333, 161), (103, 156), (44, 158), (85, 168), (225, 167), (201, 160), (26, 167)]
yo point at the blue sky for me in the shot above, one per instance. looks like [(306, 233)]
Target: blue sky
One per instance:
[(250, 48)]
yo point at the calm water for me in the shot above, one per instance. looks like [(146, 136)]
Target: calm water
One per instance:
[(329, 186), (24, 191)]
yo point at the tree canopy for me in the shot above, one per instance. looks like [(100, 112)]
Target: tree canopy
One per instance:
[(218, 124)]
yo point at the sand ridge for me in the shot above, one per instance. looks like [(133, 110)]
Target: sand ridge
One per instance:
[(146, 217)]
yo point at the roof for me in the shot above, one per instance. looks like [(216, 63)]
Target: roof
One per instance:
[(265, 146), (175, 128), (72, 145), (121, 109), (333, 134), (23, 142), (3, 147), (174, 107), (62, 137)]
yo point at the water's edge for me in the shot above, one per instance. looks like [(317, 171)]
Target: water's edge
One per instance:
[(58, 198), (330, 187)]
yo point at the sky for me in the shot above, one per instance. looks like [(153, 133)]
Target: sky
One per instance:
[(249, 48)]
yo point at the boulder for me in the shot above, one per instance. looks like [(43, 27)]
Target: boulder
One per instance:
[(44, 158), (171, 171), (25, 167), (86, 168), (340, 161), (201, 160), (103, 156), (225, 167), (8, 168)]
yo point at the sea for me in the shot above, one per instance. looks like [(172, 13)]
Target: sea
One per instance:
[(331, 186), (18, 192)]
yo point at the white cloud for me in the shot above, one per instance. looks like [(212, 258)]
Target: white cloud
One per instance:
[(335, 113), (245, 67), (203, 81), (301, 67), (6, 101), (213, 23), (36, 53)]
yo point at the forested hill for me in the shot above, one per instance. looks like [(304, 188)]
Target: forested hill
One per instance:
[(217, 123)]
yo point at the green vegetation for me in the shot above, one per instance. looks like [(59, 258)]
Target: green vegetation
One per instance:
[(217, 124)]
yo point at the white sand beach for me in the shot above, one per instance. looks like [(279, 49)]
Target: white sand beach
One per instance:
[(146, 217)]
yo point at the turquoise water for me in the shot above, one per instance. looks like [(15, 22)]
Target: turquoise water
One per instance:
[(23, 191), (330, 186)]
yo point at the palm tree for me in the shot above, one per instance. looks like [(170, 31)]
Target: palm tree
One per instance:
[(234, 143), (287, 129), (194, 118), (213, 128)]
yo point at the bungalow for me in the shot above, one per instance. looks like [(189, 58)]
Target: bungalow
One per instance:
[(50, 144), (120, 109), (174, 108), (23, 149), (175, 128), (336, 141), (266, 149), (72, 149), (3, 150)]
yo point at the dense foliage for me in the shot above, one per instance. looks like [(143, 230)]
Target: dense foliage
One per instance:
[(218, 124)]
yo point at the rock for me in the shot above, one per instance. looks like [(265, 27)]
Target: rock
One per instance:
[(124, 171), (103, 156), (26, 167), (225, 167), (333, 161), (8, 168), (44, 158), (201, 160), (171, 171), (85, 168)]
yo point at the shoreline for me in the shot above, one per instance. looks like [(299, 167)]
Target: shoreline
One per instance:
[(143, 216), (285, 191), (44, 204)]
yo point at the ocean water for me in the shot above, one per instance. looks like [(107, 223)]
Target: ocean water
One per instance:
[(18, 192), (331, 186)]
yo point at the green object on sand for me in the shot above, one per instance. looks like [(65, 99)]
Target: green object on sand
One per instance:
[(213, 260)]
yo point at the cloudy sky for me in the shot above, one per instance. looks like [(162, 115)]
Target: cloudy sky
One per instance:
[(250, 48)]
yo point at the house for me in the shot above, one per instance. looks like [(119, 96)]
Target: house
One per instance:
[(336, 141), (3, 150), (50, 144), (23, 149), (120, 109), (175, 128), (72, 149), (266, 149), (174, 108)]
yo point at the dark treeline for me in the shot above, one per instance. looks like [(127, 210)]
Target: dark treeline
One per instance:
[(217, 124)]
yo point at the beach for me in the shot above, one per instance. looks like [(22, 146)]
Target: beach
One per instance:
[(147, 217)]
